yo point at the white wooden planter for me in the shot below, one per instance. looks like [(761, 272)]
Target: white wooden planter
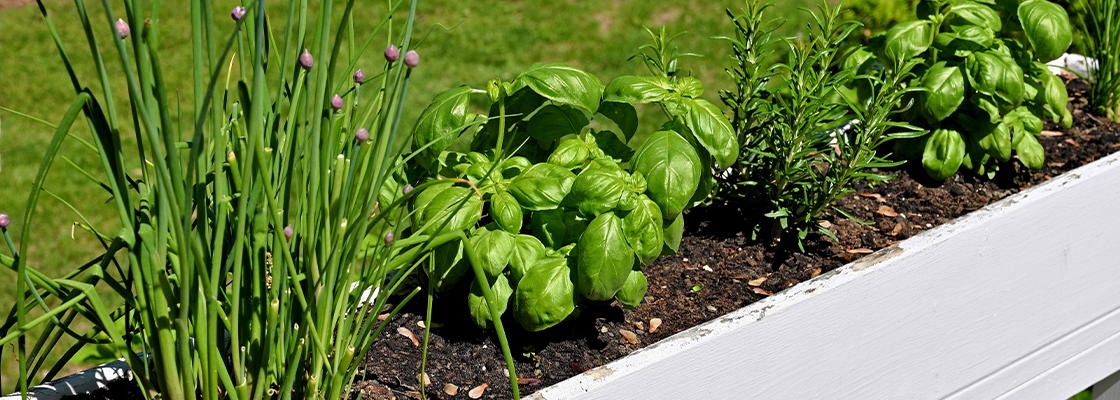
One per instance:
[(1018, 300)]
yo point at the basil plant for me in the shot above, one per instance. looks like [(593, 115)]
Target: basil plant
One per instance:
[(986, 86), (560, 209)]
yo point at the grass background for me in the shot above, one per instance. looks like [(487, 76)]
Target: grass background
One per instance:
[(496, 39)]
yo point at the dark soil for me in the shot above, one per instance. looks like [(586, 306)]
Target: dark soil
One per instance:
[(717, 270)]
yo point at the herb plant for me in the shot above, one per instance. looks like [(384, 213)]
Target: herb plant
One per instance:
[(805, 136), (559, 212), (258, 241), (1100, 28), (985, 80)]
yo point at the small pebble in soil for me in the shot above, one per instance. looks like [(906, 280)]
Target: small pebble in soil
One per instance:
[(654, 324), (712, 309), (629, 336)]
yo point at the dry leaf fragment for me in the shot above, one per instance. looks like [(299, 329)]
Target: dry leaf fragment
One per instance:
[(1072, 143), (420, 324), (825, 224), (528, 381), (654, 324), (427, 379), (477, 391), (875, 196), (756, 282), (1050, 133), (408, 334), (897, 229), (762, 291), (450, 389), (382, 316), (886, 211), (640, 325), (861, 251), (816, 273), (630, 336)]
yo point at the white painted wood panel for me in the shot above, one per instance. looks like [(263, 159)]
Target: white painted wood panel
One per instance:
[(1018, 300)]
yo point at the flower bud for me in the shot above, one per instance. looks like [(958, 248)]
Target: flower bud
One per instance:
[(392, 53), (362, 135), (305, 60), (407, 188), (237, 13), (388, 238), (122, 28), (359, 76), (411, 59), (336, 102), (288, 232), (4, 220)]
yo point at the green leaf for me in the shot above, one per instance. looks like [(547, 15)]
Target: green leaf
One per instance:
[(907, 40), (624, 115), (674, 232), (506, 212), (527, 253), (612, 146), (672, 171), (598, 188), (480, 311), (1047, 28), (449, 264), (995, 75), (439, 122), (713, 130), (562, 83), (943, 154), (572, 153), (633, 291), (638, 90), (553, 122), (642, 227), (969, 13), (548, 226), (494, 250), (444, 204), (946, 91), (542, 186), (604, 258), (689, 87), (1030, 152), (574, 226), (545, 296)]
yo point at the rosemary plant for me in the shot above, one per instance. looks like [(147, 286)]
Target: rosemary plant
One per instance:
[(1101, 33), (260, 241), (805, 137)]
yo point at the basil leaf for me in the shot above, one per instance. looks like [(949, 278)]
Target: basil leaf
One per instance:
[(674, 232), (1030, 152), (946, 91), (713, 130), (571, 153), (439, 122), (562, 83), (480, 311), (969, 13), (612, 146), (624, 115), (548, 226), (494, 250), (642, 227), (553, 122), (671, 169), (545, 296), (449, 264), (446, 206), (1047, 27), (542, 186), (633, 291), (506, 212), (995, 75), (688, 87), (574, 225), (527, 253), (604, 259), (638, 90), (907, 40), (598, 188), (943, 154)]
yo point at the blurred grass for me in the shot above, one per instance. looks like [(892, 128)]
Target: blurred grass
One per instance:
[(496, 38)]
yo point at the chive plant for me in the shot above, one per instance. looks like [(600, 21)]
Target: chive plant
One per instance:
[(1101, 28), (259, 241)]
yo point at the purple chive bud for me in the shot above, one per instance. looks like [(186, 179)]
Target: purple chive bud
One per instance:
[(305, 60), (392, 53), (336, 102), (4, 220), (388, 238), (237, 13), (362, 135), (411, 59), (288, 232), (407, 188), (359, 76), (122, 28)]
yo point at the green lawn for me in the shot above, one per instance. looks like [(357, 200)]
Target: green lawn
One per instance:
[(497, 38)]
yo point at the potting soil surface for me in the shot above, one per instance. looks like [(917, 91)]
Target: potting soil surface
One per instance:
[(717, 270)]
